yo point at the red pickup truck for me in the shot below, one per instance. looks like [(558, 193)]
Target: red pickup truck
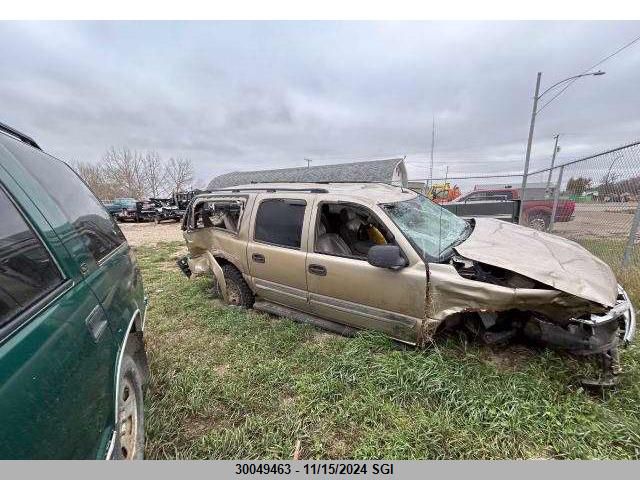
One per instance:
[(536, 212)]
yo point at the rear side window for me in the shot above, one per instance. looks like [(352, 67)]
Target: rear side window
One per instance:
[(91, 222), (222, 214), (27, 272), (279, 222)]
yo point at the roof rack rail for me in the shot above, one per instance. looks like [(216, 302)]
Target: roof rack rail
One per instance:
[(271, 190), (19, 135)]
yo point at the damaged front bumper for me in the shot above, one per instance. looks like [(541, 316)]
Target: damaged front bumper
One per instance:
[(586, 335), (622, 312)]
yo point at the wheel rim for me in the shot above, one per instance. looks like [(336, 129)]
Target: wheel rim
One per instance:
[(233, 294), (538, 224), (128, 420)]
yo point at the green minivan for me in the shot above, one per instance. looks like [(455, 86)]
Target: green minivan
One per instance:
[(72, 310)]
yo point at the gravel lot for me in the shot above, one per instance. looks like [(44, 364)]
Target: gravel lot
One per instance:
[(151, 234), (601, 220)]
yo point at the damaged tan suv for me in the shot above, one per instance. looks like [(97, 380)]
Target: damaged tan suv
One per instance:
[(348, 256)]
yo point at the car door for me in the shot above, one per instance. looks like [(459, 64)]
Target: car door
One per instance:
[(351, 291), (276, 249), (56, 350)]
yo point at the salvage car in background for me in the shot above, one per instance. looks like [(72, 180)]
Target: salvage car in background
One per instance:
[(172, 208), (72, 358), (166, 209), (536, 212), (353, 256)]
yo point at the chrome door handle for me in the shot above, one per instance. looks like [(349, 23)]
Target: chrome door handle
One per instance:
[(258, 258), (317, 269)]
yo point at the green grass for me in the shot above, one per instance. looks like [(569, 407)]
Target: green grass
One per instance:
[(229, 383), (611, 251)]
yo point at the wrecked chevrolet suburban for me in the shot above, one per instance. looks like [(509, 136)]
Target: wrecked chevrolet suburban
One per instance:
[(347, 256)]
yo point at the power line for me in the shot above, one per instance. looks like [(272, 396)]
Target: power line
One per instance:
[(588, 69)]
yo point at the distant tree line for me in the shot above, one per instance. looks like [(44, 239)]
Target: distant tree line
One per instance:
[(123, 172), (609, 184)]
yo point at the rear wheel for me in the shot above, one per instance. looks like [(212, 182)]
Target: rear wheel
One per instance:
[(238, 292), (129, 443), (540, 221)]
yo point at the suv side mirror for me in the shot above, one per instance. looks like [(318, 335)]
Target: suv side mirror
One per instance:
[(386, 256)]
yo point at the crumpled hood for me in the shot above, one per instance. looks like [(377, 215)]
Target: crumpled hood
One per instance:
[(549, 259)]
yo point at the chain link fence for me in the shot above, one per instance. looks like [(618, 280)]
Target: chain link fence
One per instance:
[(592, 201)]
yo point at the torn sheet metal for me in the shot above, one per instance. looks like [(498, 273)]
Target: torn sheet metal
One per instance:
[(449, 294)]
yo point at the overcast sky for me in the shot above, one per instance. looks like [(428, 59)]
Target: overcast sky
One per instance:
[(252, 95)]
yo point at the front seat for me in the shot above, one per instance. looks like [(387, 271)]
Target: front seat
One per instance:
[(331, 243), (349, 226)]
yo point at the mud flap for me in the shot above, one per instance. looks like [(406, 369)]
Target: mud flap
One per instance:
[(183, 265)]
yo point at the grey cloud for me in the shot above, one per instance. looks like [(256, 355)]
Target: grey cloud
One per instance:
[(243, 95)]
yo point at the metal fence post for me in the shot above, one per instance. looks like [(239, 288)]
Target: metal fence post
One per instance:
[(628, 250), (556, 197)]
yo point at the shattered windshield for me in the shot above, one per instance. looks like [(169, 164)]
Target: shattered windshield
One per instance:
[(431, 229)]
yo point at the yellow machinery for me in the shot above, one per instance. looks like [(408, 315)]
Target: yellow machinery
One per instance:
[(443, 192)]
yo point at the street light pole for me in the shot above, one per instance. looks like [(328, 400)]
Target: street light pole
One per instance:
[(527, 157), (537, 96)]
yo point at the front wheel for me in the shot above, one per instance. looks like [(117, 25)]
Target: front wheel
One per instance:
[(129, 443)]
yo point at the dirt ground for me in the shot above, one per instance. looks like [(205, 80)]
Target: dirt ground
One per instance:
[(601, 220), (151, 234)]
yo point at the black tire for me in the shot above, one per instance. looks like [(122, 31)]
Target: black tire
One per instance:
[(238, 292), (129, 443), (539, 221)]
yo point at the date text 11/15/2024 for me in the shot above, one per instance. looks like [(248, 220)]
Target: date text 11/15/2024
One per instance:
[(346, 468)]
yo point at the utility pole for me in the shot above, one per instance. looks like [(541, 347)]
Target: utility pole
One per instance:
[(553, 160), (433, 141), (308, 160)]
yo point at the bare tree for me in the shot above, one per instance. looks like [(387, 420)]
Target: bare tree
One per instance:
[(154, 174), (124, 168), (126, 173), (179, 173), (94, 176)]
